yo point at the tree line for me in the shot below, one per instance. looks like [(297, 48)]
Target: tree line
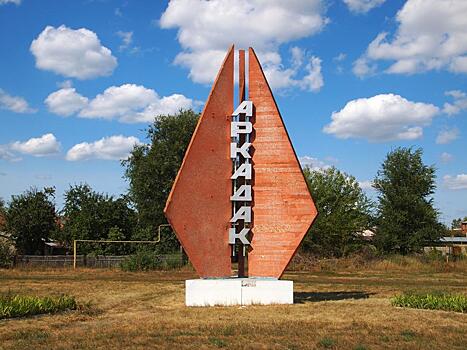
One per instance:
[(403, 218)]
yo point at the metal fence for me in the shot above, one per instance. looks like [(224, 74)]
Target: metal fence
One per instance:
[(114, 261), (99, 261)]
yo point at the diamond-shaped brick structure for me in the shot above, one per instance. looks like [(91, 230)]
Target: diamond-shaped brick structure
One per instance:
[(199, 207), (283, 209)]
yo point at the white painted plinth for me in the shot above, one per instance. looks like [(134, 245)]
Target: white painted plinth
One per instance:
[(238, 291)]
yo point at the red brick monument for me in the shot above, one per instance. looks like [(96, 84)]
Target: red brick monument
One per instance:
[(240, 194)]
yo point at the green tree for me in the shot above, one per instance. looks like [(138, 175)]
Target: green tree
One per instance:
[(31, 219), (344, 212), (407, 220), (151, 170), (456, 223), (91, 215), (2, 215)]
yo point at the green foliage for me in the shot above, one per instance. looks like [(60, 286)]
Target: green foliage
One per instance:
[(408, 335), (327, 343), (217, 342), (434, 301), (456, 223), (31, 219), (91, 215), (343, 212), (145, 260), (2, 214), (151, 169), (7, 253), (18, 305), (407, 220), (6, 248), (433, 255)]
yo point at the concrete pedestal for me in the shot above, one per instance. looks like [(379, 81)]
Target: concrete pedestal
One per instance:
[(238, 291)]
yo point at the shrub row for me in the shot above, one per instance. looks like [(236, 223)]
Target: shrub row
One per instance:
[(148, 260), (440, 301), (20, 305)]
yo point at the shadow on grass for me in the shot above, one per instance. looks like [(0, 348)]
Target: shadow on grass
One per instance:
[(310, 297)]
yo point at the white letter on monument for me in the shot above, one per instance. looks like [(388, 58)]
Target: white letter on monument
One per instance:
[(243, 170), (246, 107), (243, 193), (244, 213), (241, 235), (243, 150), (237, 128)]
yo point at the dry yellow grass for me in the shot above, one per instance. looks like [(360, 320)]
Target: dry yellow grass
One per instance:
[(334, 310)]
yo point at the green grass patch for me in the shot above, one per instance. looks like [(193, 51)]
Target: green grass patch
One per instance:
[(360, 347), (218, 342), (20, 305), (408, 335), (433, 301), (327, 343)]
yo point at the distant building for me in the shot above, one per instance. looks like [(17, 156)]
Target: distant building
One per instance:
[(454, 246), (367, 235)]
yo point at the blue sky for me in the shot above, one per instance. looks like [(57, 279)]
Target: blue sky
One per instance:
[(80, 81)]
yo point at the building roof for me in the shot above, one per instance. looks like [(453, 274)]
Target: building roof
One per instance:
[(453, 240)]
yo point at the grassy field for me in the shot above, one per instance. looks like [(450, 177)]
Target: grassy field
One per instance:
[(334, 309)]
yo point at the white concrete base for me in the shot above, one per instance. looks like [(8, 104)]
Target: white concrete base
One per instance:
[(238, 291)]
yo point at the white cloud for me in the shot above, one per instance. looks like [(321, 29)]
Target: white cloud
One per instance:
[(128, 103), (110, 148), (460, 102), (381, 118), (14, 103), (4, 2), (72, 53), (362, 6), (65, 102), (127, 39), (313, 163), (432, 35), (42, 146), (207, 28), (338, 61), (362, 67), (447, 136), (340, 57), (118, 101), (65, 84), (446, 157), (313, 81), (165, 105), (458, 182), (366, 185), (6, 154), (283, 78)]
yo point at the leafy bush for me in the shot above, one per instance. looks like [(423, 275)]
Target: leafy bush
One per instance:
[(433, 255), (7, 252), (434, 301), (20, 305), (145, 260)]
